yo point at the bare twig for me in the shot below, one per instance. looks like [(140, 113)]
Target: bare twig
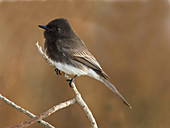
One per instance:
[(78, 100), (26, 112), (45, 114), (44, 55), (83, 105)]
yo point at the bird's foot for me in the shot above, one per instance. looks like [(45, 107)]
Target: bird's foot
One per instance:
[(71, 80), (58, 71)]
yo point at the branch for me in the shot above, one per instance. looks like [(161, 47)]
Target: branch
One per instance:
[(84, 106), (44, 114), (26, 112), (78, 100)]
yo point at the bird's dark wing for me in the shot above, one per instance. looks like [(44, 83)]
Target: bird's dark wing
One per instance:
[(81, 54)]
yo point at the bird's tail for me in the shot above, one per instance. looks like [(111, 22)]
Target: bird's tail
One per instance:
[(113, 88)]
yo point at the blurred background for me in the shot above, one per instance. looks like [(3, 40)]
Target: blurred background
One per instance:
[(131, 41)]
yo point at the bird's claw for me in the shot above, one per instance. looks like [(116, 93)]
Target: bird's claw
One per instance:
[(71, 80), (58, 71)]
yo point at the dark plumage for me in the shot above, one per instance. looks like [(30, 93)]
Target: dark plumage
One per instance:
[(70, 55)]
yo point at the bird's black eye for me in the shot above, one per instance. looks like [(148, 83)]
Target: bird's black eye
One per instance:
[(58, 29)]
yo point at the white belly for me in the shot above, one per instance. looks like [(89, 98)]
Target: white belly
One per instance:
[(68, 69)]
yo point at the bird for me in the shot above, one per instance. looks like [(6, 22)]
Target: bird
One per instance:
[(71, 56)]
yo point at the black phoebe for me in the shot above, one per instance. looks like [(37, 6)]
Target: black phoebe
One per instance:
[(70, 55)]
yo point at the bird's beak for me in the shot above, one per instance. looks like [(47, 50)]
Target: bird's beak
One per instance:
[(42, 26)]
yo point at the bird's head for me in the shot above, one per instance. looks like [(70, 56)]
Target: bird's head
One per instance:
[(57, 29)]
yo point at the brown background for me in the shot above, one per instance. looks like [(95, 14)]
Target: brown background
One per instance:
[(129, 39)]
